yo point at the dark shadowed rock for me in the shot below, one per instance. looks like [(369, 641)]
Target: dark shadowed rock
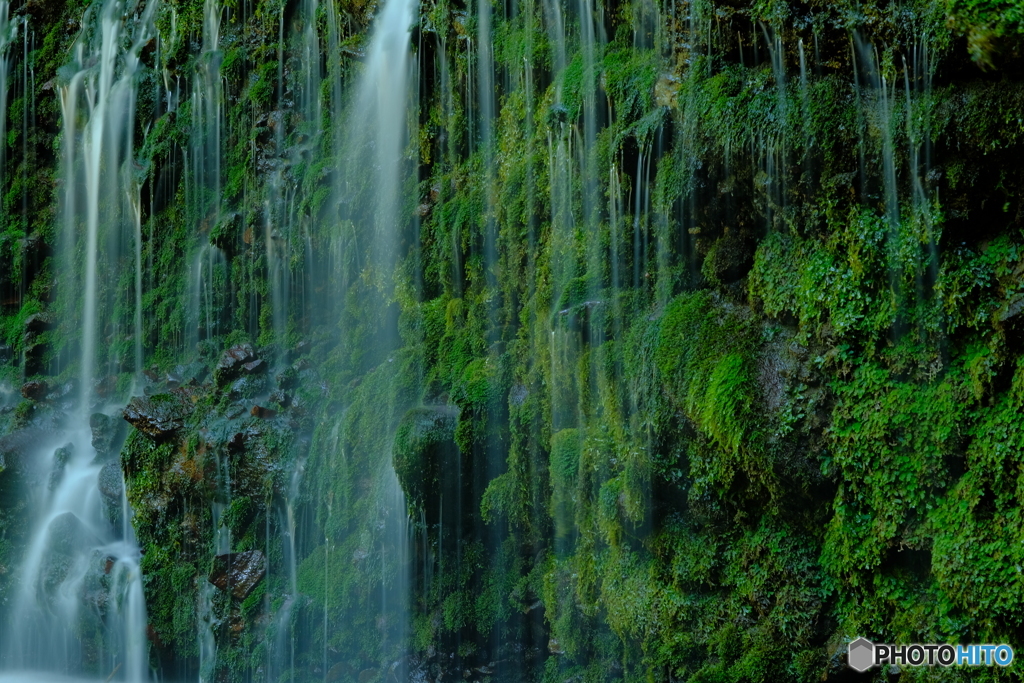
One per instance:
[(239, 573), (38, 322), (247, 387), (61, 456), (241, 440), (233, 362), (255, 367), (425, 450), (34, 391), (107, 433), (236, 444), (160, 416), (263, 413)]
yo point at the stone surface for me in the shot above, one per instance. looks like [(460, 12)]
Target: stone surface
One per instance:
[(160, 416), (110, 483), (238, 573), (107, 433), (263, 413), (61, 456), (34, 391), (233, 362), (254, 367)]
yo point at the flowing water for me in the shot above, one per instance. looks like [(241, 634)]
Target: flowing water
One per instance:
[(81, 572), (80, 607)]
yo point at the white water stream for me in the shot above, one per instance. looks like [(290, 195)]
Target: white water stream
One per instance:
[(79, 609)]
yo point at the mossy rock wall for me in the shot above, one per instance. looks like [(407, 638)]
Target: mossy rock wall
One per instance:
[(701, 357)]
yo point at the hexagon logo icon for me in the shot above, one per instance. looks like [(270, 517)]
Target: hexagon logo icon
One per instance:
[(861, 655)]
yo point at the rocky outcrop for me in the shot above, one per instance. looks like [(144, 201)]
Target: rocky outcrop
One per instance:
[(236, 361), (160, 416), (107, 434), (238, 573), (34, 391)]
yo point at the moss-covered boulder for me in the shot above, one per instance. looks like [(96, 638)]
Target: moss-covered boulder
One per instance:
[(425, 451)]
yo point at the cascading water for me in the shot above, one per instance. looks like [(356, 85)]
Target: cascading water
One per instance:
[(207, 272), (376, 132), (80, 607)]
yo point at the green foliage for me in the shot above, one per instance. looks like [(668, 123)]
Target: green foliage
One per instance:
[(986, 22)]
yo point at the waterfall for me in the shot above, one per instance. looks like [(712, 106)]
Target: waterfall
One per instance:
[(376, 131), (8, 34), (80, 575), (80, 606), (205, 289)]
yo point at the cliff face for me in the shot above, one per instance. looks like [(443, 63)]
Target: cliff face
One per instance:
[(524, 341)]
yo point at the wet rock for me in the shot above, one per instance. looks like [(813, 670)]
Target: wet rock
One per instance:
[(254, 367), (263, 413), (110, 483), (280, 398), (338, 671), (61, 456), (106, 387), (69, 535), (62, 390), (160, 416), (367, 675), (287, 379), (38, 322), (247, 387), (1011, 309), (53, 569), (6, 353), (34, 391), (239, 441), (519, 394), (239, 573), (231, 364), (107, 433), (21, 445)]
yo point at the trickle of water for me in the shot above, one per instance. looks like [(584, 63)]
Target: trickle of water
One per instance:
[(8, 34)]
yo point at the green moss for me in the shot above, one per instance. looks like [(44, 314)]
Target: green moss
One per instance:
[(424, 447)]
